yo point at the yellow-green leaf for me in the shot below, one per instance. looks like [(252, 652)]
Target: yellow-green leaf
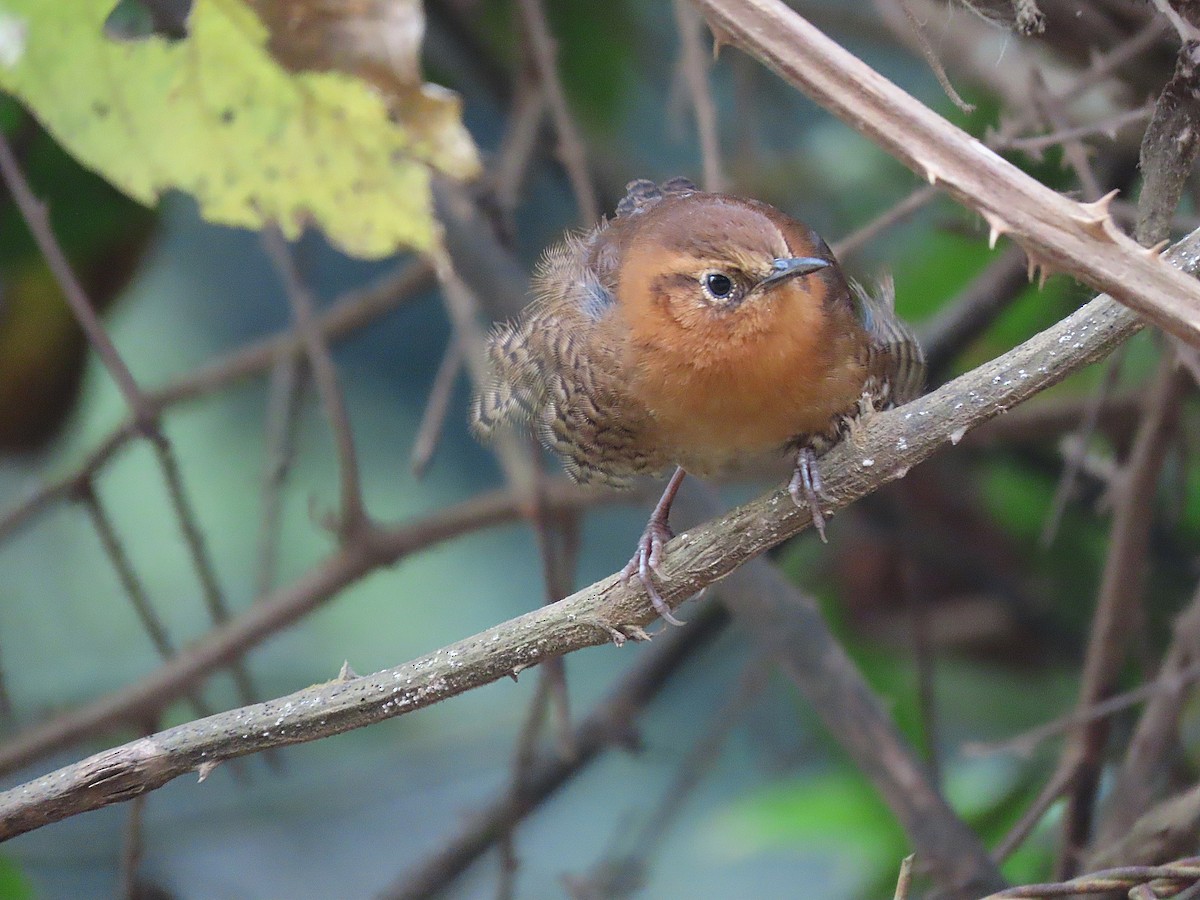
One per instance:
[(216, 116)]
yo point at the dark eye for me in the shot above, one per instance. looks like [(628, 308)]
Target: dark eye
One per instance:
[(718, 284)]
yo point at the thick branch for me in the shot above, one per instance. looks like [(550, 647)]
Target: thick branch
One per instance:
[(1057, 232), (894, 442)]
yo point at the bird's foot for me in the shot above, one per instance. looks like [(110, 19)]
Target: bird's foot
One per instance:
[(806, 489), (645, 564)]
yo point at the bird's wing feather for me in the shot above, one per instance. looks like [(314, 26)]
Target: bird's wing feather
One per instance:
[(895, 360), (554, 371)]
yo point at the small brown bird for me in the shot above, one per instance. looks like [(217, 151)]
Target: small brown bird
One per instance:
[(697, 330)]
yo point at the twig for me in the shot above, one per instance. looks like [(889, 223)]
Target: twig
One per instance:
[(1161, 833), (626, 861), (1107, 128), (917, 30), (898, 212), (1084, 242), (284, 392), (429, 432), (132, 847), (1121, 586), (354, 310), (520, 469), (524, 123), (1169, 148), (352, 516), (1052, 790), (570, 147), (904, 879), (275, 612), (1186, 30), (132, 585), (1074, 152), (1184, 872), (206, 573), (609, 724), (973, 310), (1076, 457), (1035, 422), (695, 62), (1157, 729), (36, 217), (700, 759), (1170, 683), (925, 661)]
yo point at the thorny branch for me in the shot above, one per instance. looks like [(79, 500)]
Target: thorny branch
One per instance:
[(1083, 240)]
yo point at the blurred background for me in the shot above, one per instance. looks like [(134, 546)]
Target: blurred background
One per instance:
[(964, 592)]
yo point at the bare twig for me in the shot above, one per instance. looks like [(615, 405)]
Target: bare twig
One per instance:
[(206, 572), (626, 861), (1170, 683), (1075, 153), (276, 611), (132, 847), (429, 432), (356, 309), (1052, 790), (610, 723), (973, 310), (898, 212), (352, 517), (1157, 730), (1107, 128), (1181, 874), (695, 62), (36, 216), (904, 879), (570, 146), (917, 30), (523, 125), (284, 394), (1120, 588), (1069, 477), (134, 589)]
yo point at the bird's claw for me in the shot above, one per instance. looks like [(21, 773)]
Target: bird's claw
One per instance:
[(645, 563), (807, 491)]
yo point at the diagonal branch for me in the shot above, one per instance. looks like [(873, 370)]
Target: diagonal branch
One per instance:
[(893, 443)]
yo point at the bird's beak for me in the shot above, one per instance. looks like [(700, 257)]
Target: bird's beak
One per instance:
[(791, 267)]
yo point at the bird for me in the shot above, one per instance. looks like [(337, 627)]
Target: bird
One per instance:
[(700, 331)]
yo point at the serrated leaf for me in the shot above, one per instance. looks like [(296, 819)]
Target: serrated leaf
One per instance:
[(216, 116)]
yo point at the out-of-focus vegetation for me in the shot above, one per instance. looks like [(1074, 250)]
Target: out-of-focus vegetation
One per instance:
[(966, 621)]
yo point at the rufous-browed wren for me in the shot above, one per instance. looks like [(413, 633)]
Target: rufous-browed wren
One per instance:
[(695, 330)]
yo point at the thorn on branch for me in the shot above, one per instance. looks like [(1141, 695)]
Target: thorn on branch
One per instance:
[(1096, 217)]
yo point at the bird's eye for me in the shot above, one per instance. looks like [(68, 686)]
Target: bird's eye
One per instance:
[(718, 285)]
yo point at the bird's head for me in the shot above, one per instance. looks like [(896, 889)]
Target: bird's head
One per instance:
[(708, 268)]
